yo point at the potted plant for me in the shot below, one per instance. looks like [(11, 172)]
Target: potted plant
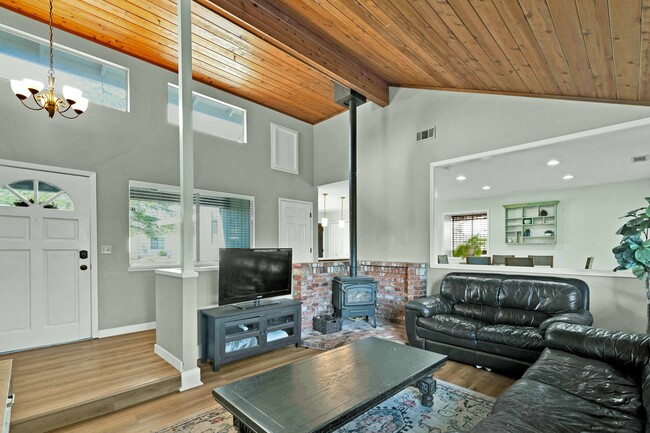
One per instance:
[(634, 250), (471, 247)]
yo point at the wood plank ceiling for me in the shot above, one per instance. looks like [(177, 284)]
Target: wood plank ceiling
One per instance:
[(284, 54)]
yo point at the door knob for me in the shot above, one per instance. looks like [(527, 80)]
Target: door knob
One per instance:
[(83, 267)]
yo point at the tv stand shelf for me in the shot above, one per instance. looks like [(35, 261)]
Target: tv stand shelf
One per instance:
[(228, 333)]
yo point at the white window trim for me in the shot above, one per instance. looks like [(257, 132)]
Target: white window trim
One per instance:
[(176, 189), (211, 99), (80, 54), (294, 169)]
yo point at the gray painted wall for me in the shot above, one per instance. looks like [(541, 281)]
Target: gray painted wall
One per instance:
[(393, 171), (140, 145)]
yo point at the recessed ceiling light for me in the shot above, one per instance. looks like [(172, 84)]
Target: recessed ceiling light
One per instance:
[(486, 187), (461, 178), (568, 177), (553, 162)]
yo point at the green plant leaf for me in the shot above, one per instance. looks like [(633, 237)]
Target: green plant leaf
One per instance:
[(641, 272), (635, 222), (632, 213), (626, 230), (643, 255), (620, 268)]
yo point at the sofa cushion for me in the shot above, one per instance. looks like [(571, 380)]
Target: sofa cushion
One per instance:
[(531, 406), (438, 337), (588, 379), (517, 336), (473, 296), (513, 352), (539, 297), (454, 326)]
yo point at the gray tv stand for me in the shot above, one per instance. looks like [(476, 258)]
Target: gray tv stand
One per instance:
[(228, 333)]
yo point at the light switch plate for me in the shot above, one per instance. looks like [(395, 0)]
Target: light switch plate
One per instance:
[(107, 249)]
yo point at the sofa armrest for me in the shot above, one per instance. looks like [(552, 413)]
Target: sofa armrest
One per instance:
[(430, 305), (626, 350), (582, 318)]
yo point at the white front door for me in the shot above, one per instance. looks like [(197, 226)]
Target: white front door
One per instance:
[(44, 278), (296, 229)]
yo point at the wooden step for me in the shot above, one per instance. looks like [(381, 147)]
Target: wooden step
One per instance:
[(63, 385)]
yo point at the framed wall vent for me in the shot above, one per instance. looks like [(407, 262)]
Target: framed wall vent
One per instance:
[(284, 149)]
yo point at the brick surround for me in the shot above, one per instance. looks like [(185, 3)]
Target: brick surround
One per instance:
[(397, 283)]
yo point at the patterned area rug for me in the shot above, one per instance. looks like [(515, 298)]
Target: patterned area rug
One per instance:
[(354, 331), (455, 409)]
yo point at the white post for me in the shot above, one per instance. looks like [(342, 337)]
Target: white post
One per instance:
[(185, 129)]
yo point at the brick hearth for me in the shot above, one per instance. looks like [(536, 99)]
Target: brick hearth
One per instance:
[(397, 283)]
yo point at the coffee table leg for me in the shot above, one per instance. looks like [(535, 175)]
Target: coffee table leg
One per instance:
[(427, 387), (240, 426)]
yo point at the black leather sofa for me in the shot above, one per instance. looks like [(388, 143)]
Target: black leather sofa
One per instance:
[(495, 320), (586, 380)]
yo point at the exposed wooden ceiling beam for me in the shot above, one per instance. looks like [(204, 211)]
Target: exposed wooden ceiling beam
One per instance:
[(268, 22)]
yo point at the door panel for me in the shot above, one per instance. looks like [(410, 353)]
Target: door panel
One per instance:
[(296, 229), (14, 290), (44, 223), (14, 227)]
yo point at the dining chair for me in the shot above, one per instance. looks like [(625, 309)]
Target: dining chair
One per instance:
[(520, 261), (480, 260), (443, 259), (590, 262), (542, 260), (498, 259)]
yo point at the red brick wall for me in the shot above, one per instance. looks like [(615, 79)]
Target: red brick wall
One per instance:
[(397, 283), (312, 284)]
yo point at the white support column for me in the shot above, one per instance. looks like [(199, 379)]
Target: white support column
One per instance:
[(186, 132), (177, 291)]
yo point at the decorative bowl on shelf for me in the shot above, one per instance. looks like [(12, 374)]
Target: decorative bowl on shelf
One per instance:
[(549, 233)]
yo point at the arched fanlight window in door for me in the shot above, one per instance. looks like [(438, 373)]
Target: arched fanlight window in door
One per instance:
[(34, 192)]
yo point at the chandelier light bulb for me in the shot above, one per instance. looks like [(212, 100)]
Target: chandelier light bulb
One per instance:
[(71, 94), (33, 85), (324, 222), (20, 89)]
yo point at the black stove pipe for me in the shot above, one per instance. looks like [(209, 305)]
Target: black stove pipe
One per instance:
[(353, 186), (351, 99)]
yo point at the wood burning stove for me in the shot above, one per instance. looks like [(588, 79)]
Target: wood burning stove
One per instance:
[(355, 297)]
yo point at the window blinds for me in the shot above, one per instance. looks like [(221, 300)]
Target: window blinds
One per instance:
[(465, 226)]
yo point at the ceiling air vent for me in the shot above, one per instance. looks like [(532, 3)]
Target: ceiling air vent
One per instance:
[(427, 134), (640, 158)]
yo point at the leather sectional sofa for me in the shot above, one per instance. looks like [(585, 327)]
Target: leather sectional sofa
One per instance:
[(586, 380), (495, 320)]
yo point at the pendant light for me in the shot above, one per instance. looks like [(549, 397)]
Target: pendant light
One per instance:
[(46, 99), (324, 222), (341, 220)]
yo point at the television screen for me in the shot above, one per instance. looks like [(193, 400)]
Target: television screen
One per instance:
[(250, 274)]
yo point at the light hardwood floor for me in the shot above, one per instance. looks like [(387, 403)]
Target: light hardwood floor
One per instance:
[(129, 353)]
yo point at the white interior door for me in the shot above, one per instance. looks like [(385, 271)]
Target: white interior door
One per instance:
[(296, 229), (45, 283)]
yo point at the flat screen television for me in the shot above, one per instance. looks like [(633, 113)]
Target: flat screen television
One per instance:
[(251, 274)]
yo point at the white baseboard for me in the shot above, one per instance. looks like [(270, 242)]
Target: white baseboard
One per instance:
[(103, 333), (171, 359), (190, 379)]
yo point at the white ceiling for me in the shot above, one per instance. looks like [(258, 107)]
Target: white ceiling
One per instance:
[(594, 157)]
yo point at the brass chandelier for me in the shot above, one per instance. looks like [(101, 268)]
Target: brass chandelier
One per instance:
[(46, 99)]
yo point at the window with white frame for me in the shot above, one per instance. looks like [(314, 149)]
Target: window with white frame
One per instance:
[(222, 220), (210, 115), (459, 227), (25, 56)]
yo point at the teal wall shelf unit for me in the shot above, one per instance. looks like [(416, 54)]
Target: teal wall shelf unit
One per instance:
[(531, 223)]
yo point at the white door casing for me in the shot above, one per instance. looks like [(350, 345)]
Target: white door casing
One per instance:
[(46, 296), (296, 225)]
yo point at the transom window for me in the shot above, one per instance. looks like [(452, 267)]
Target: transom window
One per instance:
[(26, 56), (210, 115), (222, 220), (35, 193)]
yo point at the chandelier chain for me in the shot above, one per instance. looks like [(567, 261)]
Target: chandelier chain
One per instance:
[(51, 71)]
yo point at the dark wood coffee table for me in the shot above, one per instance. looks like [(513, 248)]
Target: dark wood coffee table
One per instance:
[(323, 392)]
